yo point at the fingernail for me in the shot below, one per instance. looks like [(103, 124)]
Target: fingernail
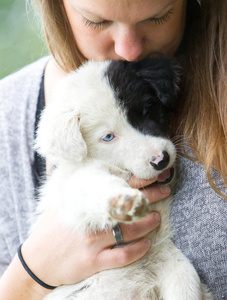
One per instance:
[(147, 243), (157, 217), (165, 189)]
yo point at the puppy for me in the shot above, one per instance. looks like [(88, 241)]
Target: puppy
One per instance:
[(107, 121)]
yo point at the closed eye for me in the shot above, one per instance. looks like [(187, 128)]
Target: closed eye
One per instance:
[(104, 23), (163, 19), (95, 25)]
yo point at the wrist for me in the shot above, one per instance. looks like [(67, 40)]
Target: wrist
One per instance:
[(35, 289), (29, 271), (17, 284)]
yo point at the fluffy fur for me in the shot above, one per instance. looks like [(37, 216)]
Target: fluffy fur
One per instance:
[(109, 120)]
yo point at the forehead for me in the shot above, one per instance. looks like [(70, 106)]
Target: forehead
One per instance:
[(123, 10)]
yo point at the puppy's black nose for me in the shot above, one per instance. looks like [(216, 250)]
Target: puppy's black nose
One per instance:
[(161, 161)]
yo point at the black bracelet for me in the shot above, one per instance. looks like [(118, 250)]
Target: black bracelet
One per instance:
[(43, 284)]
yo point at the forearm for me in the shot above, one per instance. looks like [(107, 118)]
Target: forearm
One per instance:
[(17, 284)]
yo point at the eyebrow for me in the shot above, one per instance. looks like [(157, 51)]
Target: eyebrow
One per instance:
[(87, 11)]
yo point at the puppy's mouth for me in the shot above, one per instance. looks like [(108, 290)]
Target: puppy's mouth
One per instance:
[(165, 177)]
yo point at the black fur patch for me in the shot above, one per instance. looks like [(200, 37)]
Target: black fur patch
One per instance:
[(146, 91)]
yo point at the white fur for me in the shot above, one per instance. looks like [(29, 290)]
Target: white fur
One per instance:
[(90, 173)]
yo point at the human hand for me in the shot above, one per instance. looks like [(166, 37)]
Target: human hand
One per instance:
[(59, 256)]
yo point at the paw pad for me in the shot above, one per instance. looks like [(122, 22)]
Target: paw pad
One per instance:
[(128, 207)]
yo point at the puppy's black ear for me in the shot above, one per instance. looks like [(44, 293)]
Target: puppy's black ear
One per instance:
[(163, 75)]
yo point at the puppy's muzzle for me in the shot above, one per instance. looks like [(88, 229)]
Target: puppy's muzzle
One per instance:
[(161, 161)]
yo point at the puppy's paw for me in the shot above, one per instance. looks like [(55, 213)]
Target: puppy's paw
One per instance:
[(129, 206)]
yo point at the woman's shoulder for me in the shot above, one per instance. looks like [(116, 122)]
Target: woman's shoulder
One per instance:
[(19, 92), (24, 79)]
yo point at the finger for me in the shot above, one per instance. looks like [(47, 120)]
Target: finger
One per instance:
[(138, 183), (156, 193), (136, 230), (119, 257)]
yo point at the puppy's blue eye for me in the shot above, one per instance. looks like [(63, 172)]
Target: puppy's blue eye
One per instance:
[(108, 138)]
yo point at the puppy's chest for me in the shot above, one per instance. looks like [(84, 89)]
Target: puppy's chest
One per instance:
[(163, 231)]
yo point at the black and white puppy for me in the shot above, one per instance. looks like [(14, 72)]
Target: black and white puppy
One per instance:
[(107, 121)]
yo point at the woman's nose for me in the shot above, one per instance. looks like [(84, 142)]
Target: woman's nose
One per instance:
[(128, 44)]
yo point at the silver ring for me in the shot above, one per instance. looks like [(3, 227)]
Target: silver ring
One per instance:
[(117, 235)]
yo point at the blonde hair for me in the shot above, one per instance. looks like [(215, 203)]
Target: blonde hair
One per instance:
[(203, 117), (58, 33)]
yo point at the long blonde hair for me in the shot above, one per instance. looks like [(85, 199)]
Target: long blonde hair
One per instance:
[(58, 33), (203, 117)]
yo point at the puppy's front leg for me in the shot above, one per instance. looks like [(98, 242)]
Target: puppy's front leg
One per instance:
[(92, 199)]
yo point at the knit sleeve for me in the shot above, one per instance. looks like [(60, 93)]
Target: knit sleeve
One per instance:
[(199, 218), (18, 101)]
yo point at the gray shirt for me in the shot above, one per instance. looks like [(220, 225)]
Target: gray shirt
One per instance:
[(199, 215)]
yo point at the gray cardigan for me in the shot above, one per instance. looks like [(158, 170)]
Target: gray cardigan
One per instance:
[(199, 215)]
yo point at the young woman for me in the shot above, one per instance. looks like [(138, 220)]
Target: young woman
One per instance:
[(121, 30)]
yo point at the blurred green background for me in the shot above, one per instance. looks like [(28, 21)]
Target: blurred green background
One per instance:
[(21, 41)]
